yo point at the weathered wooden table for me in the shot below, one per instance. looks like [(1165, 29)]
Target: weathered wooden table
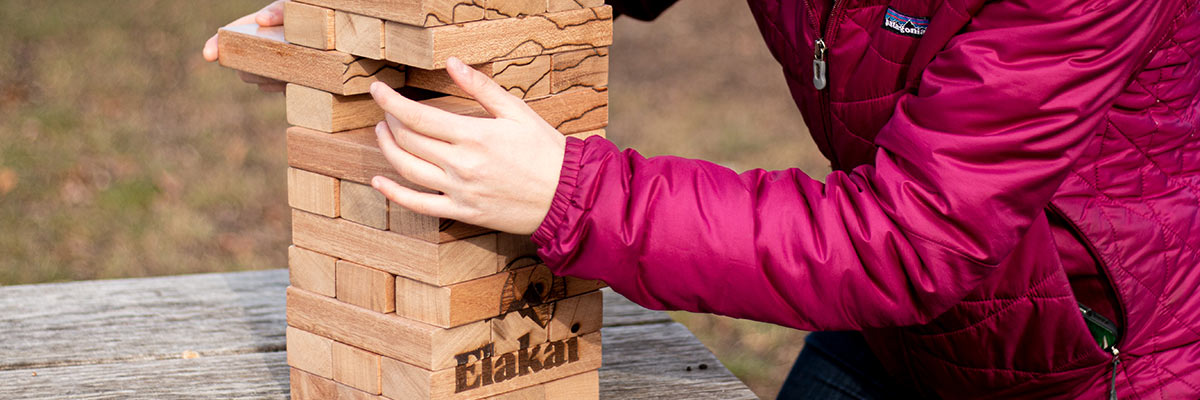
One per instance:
[(222, 336)]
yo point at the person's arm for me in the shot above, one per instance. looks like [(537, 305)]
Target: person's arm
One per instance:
[(964, 167)]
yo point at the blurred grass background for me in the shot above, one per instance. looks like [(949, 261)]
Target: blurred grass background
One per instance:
[(124, 154)]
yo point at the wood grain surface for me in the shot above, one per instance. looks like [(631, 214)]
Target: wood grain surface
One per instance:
[(501, 39), (263, 51)]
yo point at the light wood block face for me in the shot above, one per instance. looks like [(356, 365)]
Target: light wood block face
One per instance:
[(312, 271), (574, 110), (308, 25), (501, 39), (263, 51), (328, 112), (497, 9), (509, 330), (359, 35), (422, 345), (485, 372), (306, 386), (363, 204), (563, 5), (490, 296), (365, 287), (312, 192), (579, 69), (309, 352), (429, 229), (585, 386), (356, 368), (527, 78), (437, 264), (576, 316), (412, 12), (352, 155)]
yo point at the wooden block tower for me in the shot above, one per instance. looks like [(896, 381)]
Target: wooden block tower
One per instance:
[(387, 303)]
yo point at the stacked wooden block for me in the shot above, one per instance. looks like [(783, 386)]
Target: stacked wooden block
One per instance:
[(387, 303)]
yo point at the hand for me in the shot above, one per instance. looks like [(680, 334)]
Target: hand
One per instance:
[(499, 173), (271, 15)]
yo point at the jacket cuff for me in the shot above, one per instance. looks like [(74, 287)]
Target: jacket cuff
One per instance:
[(567, 179)]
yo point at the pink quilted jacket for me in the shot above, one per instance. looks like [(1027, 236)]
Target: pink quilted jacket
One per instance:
[(996, 162)]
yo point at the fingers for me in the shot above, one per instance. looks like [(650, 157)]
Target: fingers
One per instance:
[(422, 203), (410, 166), (426, 120), (490, 95), (271, 15), (210, 49)]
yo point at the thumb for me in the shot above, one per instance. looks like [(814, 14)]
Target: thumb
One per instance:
[(490, 95), (271, 15)]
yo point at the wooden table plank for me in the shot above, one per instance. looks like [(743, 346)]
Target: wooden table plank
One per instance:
[(123, 339), (244, 376), (141, 319)]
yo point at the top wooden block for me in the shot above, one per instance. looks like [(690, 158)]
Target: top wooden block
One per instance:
[(263, 51), (500, 39), (412, 12)]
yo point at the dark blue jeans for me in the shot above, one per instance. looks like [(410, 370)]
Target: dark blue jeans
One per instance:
[(839, 365)]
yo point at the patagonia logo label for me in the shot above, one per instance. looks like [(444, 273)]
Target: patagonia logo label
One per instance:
[(905, 25)]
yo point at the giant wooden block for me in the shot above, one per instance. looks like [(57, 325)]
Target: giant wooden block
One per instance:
[(306, 386), (497, 9), (585, 386), (527, 78), (312, 271), (427, 228), (438, 264), (422, 345), (574, 111), (484, 372), (328, 112), (366, 287), (263, 51), (501, 39), (359, 35), (529, 288), (363, 204), (512, 330), (563, 5), (356, 368), (308, 25), (579, 69), (412, 12), (576, 316), (309, 352), (312, 192)]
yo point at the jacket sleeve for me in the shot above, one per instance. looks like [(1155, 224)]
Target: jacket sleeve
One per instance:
[(645, 10), (963, 169)]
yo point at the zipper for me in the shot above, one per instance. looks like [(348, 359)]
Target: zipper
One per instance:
[(820, 67), (1118, 305)]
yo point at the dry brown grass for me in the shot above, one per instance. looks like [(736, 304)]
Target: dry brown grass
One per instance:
[(123, 154)]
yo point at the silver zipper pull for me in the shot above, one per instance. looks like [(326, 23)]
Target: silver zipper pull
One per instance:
[(1112, 386), (819, 72)]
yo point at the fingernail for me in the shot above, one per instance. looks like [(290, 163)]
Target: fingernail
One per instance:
[(379, 129), (375, 87), (375, 182)]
